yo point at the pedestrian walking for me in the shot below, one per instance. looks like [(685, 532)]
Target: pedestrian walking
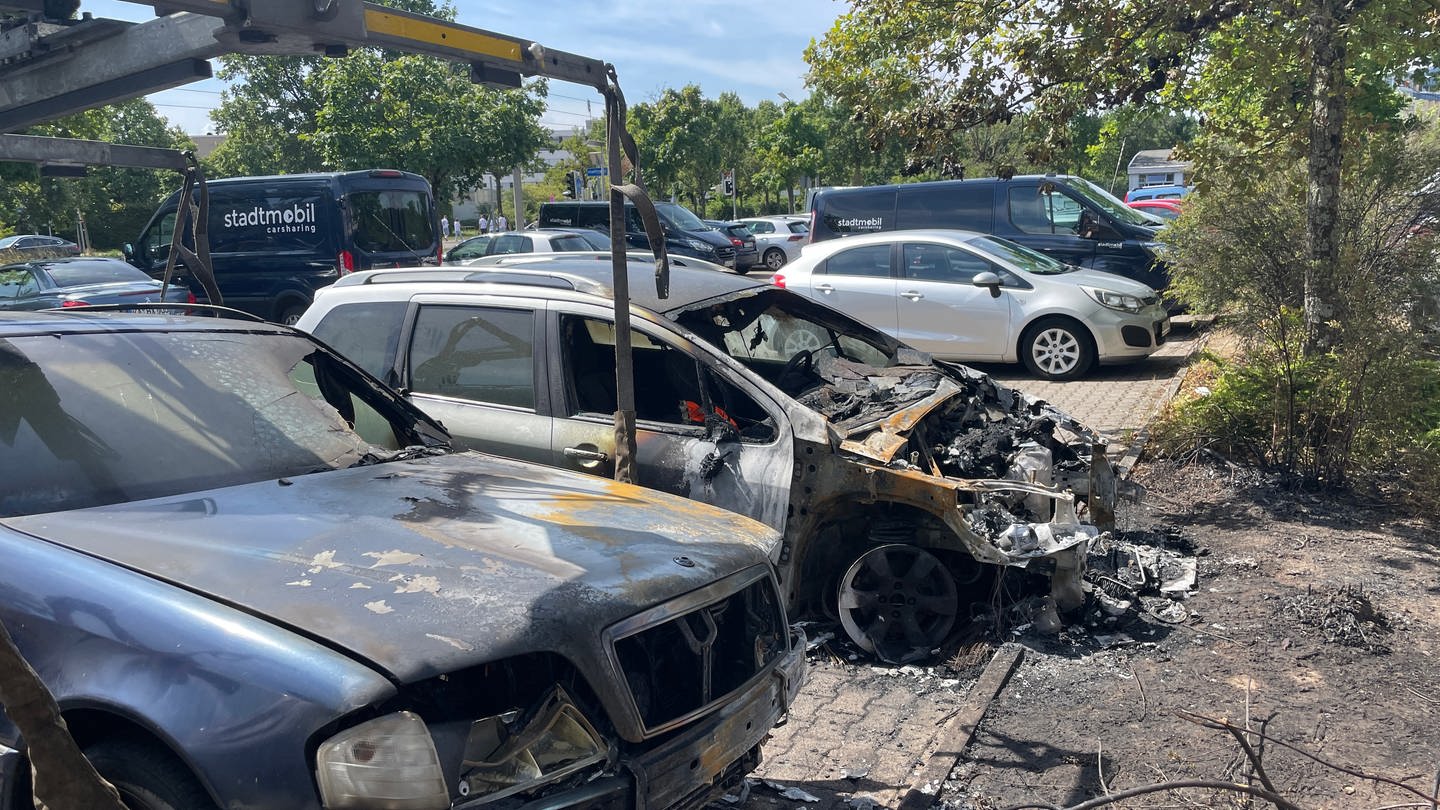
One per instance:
[(500, 223), (457, 227), (444, 225), (484, 224)]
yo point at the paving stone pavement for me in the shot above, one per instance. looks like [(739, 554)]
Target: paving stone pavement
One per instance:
[(859, 735), (1118, 401)]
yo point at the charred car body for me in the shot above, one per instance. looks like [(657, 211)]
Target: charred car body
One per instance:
[(897, 482), (252, 576)]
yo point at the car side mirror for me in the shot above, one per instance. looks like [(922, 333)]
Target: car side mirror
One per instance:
[(127, 250), (989, 280)]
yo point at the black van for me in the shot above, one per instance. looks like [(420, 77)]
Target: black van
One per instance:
[(275, 240), (685, 234), (1069, 218)]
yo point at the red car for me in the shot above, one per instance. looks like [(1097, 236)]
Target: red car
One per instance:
[(1165, 209)]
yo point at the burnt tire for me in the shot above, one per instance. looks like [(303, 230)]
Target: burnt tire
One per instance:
[(1057, 349), (148, 776)]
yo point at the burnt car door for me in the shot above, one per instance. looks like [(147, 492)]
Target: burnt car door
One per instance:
[(475, 368), (702, 431)]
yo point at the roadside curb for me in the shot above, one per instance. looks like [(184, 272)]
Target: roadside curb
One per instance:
[(956, 735), (1137, 445)]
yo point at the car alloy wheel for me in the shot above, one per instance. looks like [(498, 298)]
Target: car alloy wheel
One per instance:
[(898, 602), (1057, 349), (775, 258)]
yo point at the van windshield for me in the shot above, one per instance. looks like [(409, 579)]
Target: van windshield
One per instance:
[(392, 221), (679, 217), (1103, 200)]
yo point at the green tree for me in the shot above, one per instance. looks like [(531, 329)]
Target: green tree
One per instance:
[(1290, 73), (1121, 133), (791, 147), (677, 138), (115, 202), (424, 115), (269, 107)]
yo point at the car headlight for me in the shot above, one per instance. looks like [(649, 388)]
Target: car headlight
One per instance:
[(1114, 300), (513, 752), (703, 247), (388, 763)]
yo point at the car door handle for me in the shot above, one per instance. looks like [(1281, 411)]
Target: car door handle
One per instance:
[(913, 295), (825, 288), (581, 454)]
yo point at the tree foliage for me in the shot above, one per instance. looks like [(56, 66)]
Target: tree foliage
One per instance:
[(115, 202)]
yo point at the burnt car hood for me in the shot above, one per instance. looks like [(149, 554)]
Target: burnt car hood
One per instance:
[(427, 566)]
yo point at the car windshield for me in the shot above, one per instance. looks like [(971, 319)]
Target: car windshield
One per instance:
[(1031, 261), (773, 326), (75, 274), (95, 418), (679, 217), (1105, 201)]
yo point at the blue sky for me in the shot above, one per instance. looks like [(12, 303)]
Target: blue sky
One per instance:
[(751, 47)]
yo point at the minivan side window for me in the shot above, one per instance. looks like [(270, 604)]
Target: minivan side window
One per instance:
[(482, 354), (158, 239), (958, 205), (1034, 212), (558, 215), (509, 243), (594, 216), (871, 260)]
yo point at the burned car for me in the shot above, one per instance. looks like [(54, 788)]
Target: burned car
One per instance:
[(253, 576), (899, 483)]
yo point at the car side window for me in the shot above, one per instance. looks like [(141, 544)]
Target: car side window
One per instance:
[(473, 249), (594, 216), (566, 243), (28, 284), (871, 260), (509, 243), (927, 262), (669, 390), (11, 282), (367, 333), (762, 227), (482, 354), (798, 227)]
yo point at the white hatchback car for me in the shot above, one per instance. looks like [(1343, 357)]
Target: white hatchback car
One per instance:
[(778, 238), (967, 296)]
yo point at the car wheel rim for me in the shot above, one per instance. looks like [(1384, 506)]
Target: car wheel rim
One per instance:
[(774, 260), (897, 602), (802, 341), (1055, 351)]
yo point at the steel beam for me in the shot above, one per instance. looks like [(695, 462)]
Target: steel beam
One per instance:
[(155, 55), (74, 152)]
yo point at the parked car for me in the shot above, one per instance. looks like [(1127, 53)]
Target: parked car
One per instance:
[(1164, 209), (253, 576), (1067, 218), (546, 240), (899, 483), (275, 240), (746, 254), (1171, 192), (40, 245), (685, 234), (966, 296), (69, 283), (472, 248), (778, 238), (596, 239)]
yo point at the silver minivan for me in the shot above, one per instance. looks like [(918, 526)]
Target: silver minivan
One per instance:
[(966, 296)]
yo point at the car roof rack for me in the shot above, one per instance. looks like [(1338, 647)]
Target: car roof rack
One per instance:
[(530, 278)]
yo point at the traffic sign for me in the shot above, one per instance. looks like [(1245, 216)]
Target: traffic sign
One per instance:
[(596, 171)]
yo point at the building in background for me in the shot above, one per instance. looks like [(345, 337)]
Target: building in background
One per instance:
[(1157, 167)]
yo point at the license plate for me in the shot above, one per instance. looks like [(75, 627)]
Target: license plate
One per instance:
[(1163, 328)]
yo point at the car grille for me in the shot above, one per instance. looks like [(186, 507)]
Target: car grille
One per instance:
[(724, 253), (690, 656)]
